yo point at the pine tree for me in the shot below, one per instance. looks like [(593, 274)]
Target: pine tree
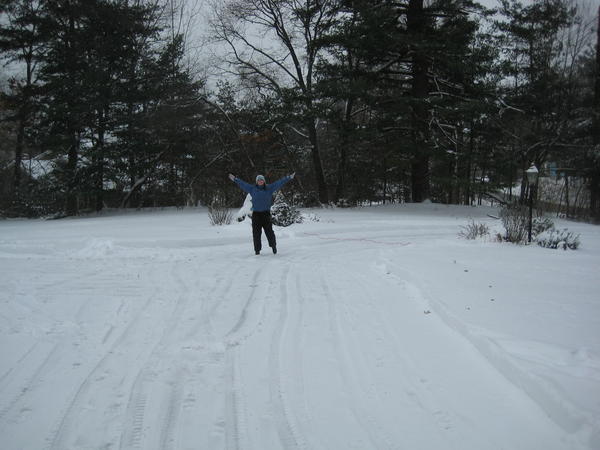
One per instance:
[(20, 42), (63, 95), (162, 122), (409, 57), (538, 89), (282, 213), (112, 32)]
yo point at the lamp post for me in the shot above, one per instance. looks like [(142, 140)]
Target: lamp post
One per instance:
[(532, 176)]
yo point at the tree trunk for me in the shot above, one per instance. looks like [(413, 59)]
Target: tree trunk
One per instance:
[(71, 200), (567, 197), (340, 191), (468, 178), (24, 113), (316, 157), (19, 156), (420, 182), (100, 160)]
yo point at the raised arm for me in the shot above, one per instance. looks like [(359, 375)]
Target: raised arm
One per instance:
[(242, 184), (275, 186)]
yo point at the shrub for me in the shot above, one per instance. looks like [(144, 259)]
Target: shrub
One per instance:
[(39, 198), (558, 239), (474, 230), (219, 214), (541, 224), (515, 219), (311, 217), (283, 214), (245, 210)]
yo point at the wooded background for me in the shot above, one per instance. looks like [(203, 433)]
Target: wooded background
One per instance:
[(367, 101)]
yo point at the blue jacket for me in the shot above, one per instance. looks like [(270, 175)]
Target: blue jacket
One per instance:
[(262, 197)]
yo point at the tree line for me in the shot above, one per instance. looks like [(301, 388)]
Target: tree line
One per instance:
[(378, 100)]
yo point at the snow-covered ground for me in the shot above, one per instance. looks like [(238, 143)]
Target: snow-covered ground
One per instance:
[(374, 328)]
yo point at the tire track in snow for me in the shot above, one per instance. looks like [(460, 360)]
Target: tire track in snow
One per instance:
[(175, 391), (374, 432), (210, 350), (31, 382), (62, 281), (235, 422), (236, 335), (561, 413), (176, 331), (36, 378), (18, 363), (167, 435), (304, 416), (286, 423), (223, 287), (233, 405), (70, 417), (166, 366), (236, 434), (421, 394), (61, 350), (132, 436)]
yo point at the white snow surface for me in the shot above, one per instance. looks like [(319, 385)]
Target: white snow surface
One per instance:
[(374, 328)]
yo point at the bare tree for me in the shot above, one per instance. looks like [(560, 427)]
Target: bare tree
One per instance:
[(274, 45)]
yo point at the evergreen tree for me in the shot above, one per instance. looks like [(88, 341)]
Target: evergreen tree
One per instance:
[(112, 32), (162, 118), (63, 94), (409, 57), (20, 43), (538, 90)]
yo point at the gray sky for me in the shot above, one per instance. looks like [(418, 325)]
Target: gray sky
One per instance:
[(211, 52)]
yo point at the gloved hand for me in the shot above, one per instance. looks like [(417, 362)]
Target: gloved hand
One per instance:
[(292, 175), (232, 177)]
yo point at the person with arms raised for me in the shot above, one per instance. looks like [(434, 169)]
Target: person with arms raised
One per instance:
[(262, 200)]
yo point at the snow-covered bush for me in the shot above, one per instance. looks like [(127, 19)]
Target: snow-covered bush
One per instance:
[(283, 214), (474, 230), (245, 210), (541, 224), (515, 219), (311, 217), (554, 238)]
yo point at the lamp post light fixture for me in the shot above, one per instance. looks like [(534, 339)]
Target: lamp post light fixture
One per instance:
[(532, 176)]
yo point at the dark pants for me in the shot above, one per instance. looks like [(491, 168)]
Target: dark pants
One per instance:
[(262, 220)]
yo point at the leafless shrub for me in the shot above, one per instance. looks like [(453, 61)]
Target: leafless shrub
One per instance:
[(474, 230), (219, 214), (515, 219)]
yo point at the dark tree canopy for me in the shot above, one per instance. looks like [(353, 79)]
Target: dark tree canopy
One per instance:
[(366, 100)]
